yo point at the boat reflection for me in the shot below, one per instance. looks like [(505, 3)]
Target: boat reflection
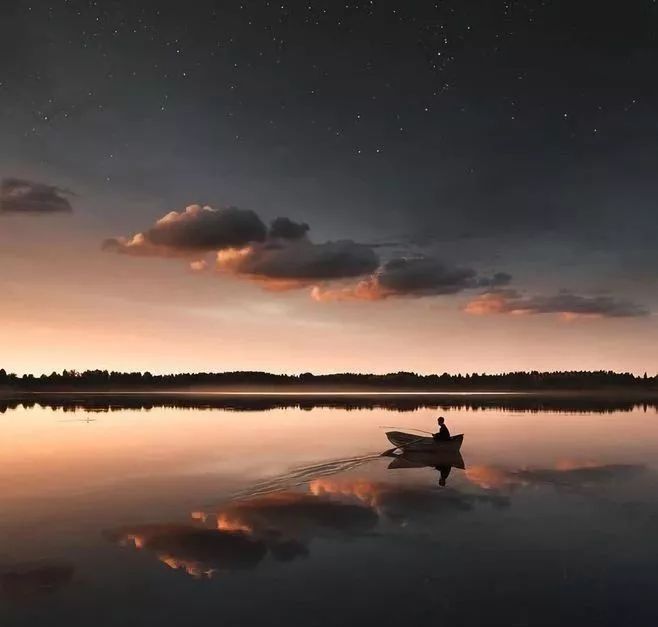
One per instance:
[(443, 462)]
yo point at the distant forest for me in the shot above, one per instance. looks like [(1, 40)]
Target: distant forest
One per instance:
[(103, 380)]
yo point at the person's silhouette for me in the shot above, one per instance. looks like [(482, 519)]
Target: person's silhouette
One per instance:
[(443, 434), (444, 472)]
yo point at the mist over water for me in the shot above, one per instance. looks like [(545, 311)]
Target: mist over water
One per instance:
[(170, 510)]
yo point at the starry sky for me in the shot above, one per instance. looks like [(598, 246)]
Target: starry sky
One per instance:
[(464, 185)]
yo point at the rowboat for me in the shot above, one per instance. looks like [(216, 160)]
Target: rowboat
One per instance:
[(411, 442)]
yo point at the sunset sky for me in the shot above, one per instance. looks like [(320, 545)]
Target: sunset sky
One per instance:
[(464, 185)]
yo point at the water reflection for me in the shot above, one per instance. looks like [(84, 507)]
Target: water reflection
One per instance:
[(282, 524), (566, 474), (522, 402), (197, 551), (241, 534), (25, 582), (442, 462), (174, 516)]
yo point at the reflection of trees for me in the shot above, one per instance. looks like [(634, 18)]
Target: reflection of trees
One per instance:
[(521, 403)]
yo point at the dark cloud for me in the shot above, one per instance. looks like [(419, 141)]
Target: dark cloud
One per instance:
[(407, 504), (564, 303), (196, 230), (403, 503), (281, 258), (244, 532), (301, 261), (196, 550), (24, 582), (284, 257), (284, 228), (565, 474), (288, 550), (426, 276), (581, 476), (21, 196), (412, 276), (298, 515), (499, 279)]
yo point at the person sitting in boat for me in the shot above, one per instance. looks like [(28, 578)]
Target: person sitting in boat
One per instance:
[(443, 434)]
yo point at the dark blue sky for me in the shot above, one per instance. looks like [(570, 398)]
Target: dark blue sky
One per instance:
[(517, 137)]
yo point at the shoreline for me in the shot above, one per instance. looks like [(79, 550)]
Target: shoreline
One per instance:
[(612, 392), (600, 401)]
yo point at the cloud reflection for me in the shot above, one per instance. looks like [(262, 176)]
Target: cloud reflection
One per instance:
[(565, 474), (282, 525), (26, 582), (197, 551)]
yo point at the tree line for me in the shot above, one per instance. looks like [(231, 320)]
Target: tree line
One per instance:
[(111, 380)]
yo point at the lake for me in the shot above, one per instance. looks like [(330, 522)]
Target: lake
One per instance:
[(205, 510)]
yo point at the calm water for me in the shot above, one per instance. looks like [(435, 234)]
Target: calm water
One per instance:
[(201, 516)]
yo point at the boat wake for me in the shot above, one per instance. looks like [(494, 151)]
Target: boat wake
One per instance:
[(304, 474)]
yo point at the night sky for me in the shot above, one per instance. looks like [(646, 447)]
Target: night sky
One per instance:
[(373, 186)]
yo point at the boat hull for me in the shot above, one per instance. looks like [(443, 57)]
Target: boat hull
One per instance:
[(411, 442)]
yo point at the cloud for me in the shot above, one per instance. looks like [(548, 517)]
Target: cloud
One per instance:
[(411, 276), (21, 196), (582, 476), (565, 474), (566, 304), (279, 258), (401, 503), (284, 228), (299, 261), (296, 515), (195, 230), (24, 582), (283, 257), (244, 532), (197, 551)]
